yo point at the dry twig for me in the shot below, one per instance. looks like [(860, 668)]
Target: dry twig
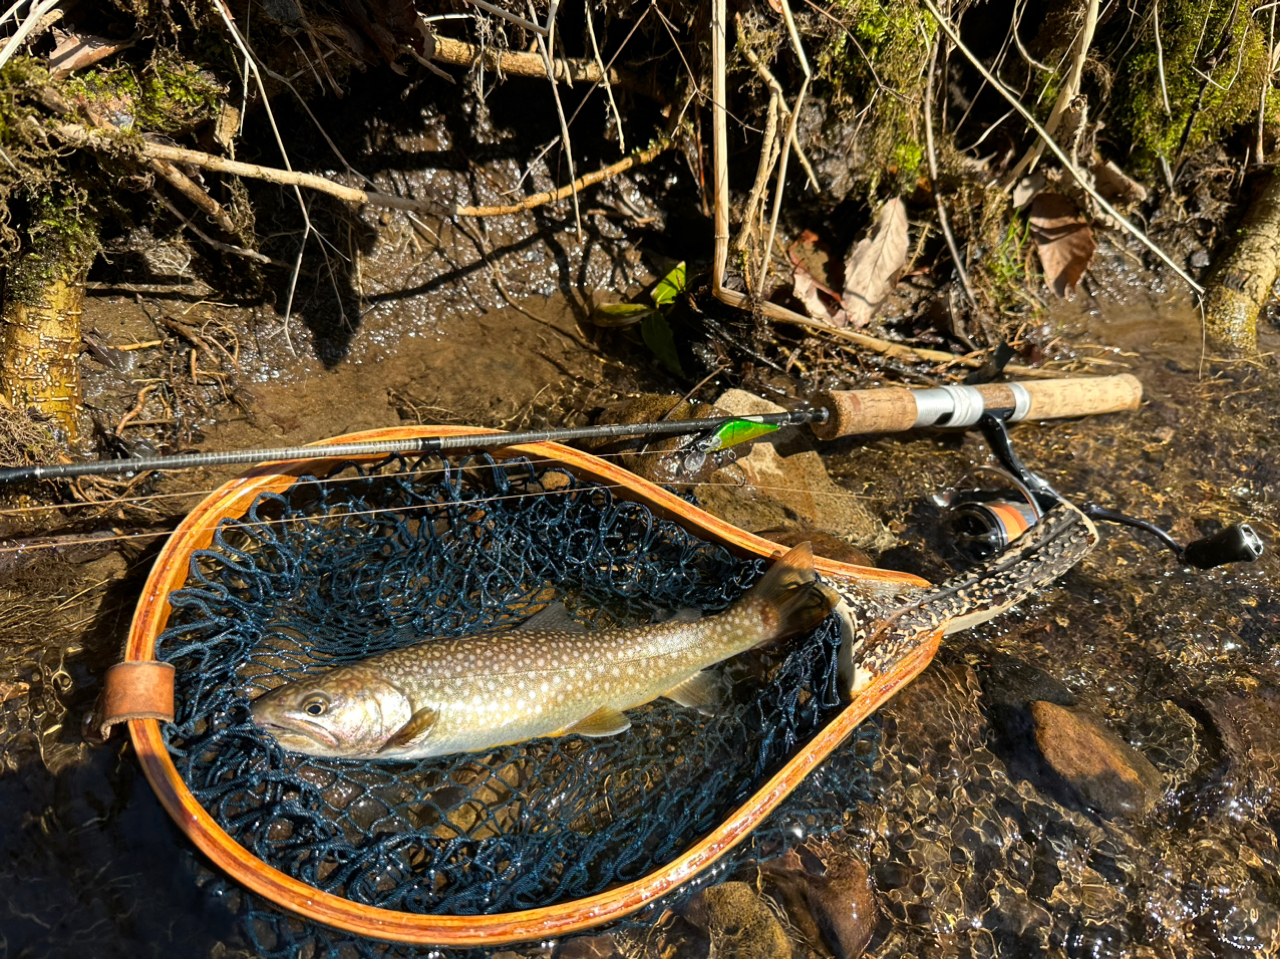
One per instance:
[(1070, 89), (588, 179), (933, 177), (946, 26)]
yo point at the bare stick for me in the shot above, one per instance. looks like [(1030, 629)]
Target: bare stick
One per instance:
[(545, 49), (719, 152), (764, 170), (1164, 89), (933, 177), (507, 15), (216, 244), (587, 179), (947, 28), (1080, 53), (772, 82), (604, 75), (33, 20), (785, 155), (463, 54)]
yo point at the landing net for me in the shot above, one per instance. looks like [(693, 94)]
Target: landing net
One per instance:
[(365, 560)]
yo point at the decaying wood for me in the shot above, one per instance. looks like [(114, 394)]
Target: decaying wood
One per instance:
[(1241, 280), (40, 345)]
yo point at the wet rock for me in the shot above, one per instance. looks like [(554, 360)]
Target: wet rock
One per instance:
[(1247, 724), (1105, 771), (783, 483), (588, 947), (829, 897), (738, 923)]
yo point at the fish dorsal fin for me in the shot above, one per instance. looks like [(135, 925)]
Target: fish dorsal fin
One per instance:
[(605, 721), (700, 691), (554, 616), (414, 731)]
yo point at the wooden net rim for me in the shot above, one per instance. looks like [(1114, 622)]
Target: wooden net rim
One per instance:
[(234, 498)]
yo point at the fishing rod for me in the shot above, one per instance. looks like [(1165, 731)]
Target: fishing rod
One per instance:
[(832, 415)]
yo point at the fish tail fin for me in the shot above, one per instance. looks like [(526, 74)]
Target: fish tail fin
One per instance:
[(790, 591)]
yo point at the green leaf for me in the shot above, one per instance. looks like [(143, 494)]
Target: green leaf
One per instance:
[(669, 287), (620, 314), (656, 332)]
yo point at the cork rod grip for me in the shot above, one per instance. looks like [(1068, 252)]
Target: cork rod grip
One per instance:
[(894, 409)]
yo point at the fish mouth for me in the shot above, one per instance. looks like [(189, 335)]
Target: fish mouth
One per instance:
[(300, 729)]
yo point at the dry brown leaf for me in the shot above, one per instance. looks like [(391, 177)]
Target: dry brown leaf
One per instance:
[(807, 254), (76, 51), (1063, 239), (873, 264), (805, 288)]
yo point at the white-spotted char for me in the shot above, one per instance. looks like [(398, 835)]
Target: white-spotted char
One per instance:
[(446, 696)]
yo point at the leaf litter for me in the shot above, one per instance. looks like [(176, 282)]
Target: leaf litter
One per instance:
[(870, 271), (1063, 239)]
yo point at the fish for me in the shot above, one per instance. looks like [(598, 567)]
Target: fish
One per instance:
[(547, 677)]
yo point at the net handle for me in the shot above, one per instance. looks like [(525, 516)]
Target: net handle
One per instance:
[(234, 498)]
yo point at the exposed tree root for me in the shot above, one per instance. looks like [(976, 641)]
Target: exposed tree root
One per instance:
[(1241, 280)]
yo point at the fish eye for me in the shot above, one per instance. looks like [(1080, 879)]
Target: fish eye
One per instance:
[(315, 706)]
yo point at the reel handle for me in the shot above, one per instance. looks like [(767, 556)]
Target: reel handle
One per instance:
[(896, 409)]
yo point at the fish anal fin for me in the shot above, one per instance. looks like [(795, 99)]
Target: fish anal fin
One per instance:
[(700, 691), (553, 616), (414, 731), (605, 721)]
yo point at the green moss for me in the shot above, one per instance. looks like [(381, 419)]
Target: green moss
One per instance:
[(61, 236), (887, 35), (167, 95), (1199, 38)]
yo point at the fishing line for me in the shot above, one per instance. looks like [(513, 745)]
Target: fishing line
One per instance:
[(599, 487), (422, 445)]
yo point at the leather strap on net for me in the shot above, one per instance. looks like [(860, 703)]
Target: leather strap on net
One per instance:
[(133, 690)]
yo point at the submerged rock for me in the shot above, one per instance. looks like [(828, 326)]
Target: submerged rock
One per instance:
[(739, 923), (588, 947), (829, 897), (783, 483), (1105, 771)]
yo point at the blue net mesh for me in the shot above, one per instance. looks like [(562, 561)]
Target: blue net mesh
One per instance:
[(336, 569)]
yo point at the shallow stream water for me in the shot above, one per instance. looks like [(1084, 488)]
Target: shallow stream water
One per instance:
[(975, 848)]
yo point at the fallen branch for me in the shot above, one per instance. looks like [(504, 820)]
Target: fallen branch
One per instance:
[(1241, 280), (91, 139), (587, 179), (464, 54), (83, 137)]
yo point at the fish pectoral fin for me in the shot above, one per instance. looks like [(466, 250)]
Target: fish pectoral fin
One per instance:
[(701, 691), (605, 721), (554, 616), (414, 731)]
